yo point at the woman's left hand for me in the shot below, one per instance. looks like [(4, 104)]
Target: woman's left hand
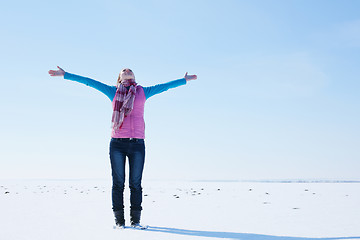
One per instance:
[(190, 77)]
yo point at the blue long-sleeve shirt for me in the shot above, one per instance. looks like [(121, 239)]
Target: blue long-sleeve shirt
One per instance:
[(110, 91)]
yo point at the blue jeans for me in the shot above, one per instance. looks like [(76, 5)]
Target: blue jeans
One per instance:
[(135, 151)]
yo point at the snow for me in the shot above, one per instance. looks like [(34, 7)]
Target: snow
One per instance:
[(81, 209)]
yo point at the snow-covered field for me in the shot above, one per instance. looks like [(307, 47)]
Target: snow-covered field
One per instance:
[(48, 209)]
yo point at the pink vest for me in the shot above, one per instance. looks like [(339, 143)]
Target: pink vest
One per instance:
[(134, 124)]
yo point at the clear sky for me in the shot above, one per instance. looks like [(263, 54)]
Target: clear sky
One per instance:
[(277, 95)]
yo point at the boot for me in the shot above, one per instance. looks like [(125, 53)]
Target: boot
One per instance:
[(135, 216), (135, 219), (119, 218)]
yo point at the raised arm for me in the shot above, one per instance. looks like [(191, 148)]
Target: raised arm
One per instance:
[(109, 91), (159, 88)]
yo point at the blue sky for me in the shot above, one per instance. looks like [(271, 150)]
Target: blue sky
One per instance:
[(277, 94)]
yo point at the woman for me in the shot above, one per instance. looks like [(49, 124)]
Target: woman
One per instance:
[(128, 134)]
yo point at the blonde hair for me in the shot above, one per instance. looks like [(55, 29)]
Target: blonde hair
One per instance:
[(118, 80)]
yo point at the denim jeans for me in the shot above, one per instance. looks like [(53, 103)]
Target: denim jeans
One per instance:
[(135, 151)]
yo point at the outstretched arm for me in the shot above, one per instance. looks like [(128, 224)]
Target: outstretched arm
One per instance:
[(109, 91), (159, 88)]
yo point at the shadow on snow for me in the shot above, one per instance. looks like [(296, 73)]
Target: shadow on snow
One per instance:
[(233, 235)]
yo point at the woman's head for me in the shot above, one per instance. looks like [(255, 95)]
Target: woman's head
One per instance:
[(126, 76)]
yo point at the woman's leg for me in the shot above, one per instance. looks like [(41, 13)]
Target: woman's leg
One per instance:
[(118, 152), (136, 165)]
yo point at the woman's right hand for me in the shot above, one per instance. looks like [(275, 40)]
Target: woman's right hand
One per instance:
[(55, 73)]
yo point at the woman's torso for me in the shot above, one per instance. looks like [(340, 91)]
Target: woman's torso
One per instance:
[(133, 125)]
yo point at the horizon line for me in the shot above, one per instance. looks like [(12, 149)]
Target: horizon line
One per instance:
[(285, 180)]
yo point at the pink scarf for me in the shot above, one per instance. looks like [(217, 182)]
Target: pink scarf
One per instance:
[(123, 103)]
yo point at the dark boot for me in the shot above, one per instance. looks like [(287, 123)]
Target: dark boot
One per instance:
[(119, 218), (135, 219), (135, 216)]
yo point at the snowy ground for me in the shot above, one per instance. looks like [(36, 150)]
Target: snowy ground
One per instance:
[(45, 209)]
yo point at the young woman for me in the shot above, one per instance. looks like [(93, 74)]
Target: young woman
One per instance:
[(128, 134)]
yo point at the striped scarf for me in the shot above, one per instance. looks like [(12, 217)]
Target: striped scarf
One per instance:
[(123, 104)]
